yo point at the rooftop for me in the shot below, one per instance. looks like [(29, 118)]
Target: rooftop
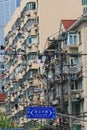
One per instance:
[(2, 97), (68, 23)]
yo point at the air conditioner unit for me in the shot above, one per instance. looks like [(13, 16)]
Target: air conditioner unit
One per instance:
[(11, 86), (8, 71), (77, 95), (6, 58), (36, 29), (12, 110), (28, 13), (38, 97), (22, 20), (23, 48), (21, 71), (14, 33), (35, 12), (23, 36), (31, 76), (25, 84), (18, 28), (29, 45), (35, 25), (29, 63), (15, 46), (36, 45), (15, 60), (29, 29), (20, 40), (30, 81)]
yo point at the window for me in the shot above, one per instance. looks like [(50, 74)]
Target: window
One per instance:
[(73, 39), (32, 39), (77, 127), (74, 85), (32, 72), (30, 22), (84, 2), (18, 69), (76, 108), (17, 23), (32, 56), (2, 66), (31, 6), (73, 61), (80, 40)]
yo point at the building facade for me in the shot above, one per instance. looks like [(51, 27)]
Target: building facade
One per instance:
[(7, 8), (25, 37), (66, 70), (22, 84)]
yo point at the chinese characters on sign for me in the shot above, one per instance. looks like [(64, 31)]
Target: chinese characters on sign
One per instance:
[(41, 112)]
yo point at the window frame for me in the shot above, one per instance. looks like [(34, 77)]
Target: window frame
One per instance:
[(74, 39), (84, 2)]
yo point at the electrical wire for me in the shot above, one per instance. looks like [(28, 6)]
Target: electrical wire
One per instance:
[(58, 32)]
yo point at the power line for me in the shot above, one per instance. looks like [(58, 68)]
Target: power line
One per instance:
[(73, 117)]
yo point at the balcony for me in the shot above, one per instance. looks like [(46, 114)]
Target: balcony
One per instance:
[(76, 95), (19, 76), (32, 65), (70, 46), (32, 48), (30, 14), (19, 43), (33, 30)]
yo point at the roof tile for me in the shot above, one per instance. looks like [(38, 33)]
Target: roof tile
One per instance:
[(68, 23), (2, 97)]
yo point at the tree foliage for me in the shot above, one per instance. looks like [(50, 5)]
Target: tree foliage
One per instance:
[(5, 122)]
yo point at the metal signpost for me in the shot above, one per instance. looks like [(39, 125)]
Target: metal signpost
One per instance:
[(41, 112)]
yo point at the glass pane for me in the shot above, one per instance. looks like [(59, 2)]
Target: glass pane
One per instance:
[(71, 39), (29, 40), (75, 61), (84, 2), (76, 85), (75, 39), (34, 39)]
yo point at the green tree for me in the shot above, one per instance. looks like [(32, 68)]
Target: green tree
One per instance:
[(5, 122)]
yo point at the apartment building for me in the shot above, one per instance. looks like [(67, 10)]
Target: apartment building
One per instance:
[(65, 66), (80, 28), (22, 86), (25, 34), (5, 6)]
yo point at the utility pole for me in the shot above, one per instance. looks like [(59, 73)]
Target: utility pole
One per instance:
[(61, 76), (61, 72), (47, 93), (69, 94)]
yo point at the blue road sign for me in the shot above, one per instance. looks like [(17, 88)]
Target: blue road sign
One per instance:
[(40, 112)]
